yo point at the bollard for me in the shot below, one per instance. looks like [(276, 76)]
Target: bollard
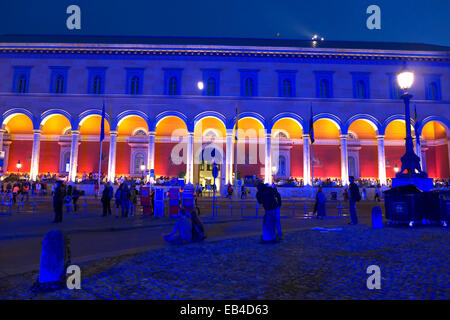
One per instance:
[(377, 218), (84, 206), (257, 207), (339, 207), (305, 208), (34, 204)]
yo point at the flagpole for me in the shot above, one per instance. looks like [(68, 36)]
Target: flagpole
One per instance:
[(235, 152), (100, 162)]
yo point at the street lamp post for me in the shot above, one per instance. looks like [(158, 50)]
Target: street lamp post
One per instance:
[(410, 161)]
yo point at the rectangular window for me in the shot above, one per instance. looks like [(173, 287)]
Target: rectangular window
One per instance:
[(58, 79), (135, 79), (172, 81), (361, 85), (394, 88), (324, 84), (432, 87), (249, 83), (211, 82), (96, 80), (286, 83), (21, 79)]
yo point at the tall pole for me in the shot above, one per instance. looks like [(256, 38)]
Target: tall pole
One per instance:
[(100, 163), (235, 152)]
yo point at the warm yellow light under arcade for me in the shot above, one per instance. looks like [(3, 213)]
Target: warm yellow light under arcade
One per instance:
[(55, 125), (210, 123), (91, 126), (325, 129), (19, 124), (363, 129), (131, 123), (396, 130), (250, 128), (434, 130), (290, 126), (168, 125)]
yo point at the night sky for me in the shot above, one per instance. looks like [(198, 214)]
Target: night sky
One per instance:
[(426, 21)]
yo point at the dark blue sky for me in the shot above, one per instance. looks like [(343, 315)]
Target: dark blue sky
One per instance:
[(426, 21)]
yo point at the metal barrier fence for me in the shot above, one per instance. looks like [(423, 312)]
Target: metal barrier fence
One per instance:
[(224, 207), (250, 208)]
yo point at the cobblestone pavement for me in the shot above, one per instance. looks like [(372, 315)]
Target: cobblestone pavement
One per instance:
[(307, 264)]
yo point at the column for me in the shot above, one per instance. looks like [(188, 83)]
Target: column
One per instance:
[(2, 134), (344, 159), (190, 158), (73, 166), (419, 152), (151, 152), (112, 156), (306, 160), (448, 150), (381, 160), (35, 154), (229, 157), (268, 160)]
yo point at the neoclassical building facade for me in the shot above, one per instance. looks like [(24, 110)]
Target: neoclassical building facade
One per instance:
[(159, 118)]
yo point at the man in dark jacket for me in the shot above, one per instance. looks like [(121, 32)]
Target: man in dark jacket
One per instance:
[(266, 197), (355, 197), (106, 200), (58, 197)]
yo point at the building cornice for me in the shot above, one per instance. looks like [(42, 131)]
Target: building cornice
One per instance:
[(223, 51)]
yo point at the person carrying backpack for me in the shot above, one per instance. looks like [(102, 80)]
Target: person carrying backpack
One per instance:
[(355, 197)]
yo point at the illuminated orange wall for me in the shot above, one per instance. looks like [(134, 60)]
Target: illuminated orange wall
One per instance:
[(368, 162), (88, 157), (437, 162), (20, 150), (330, 161), (297, 161), (393, 155), (122, 158), (49, 155), (162, 156)]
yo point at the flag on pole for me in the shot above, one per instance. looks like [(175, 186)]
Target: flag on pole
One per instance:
[(311, 126), (102, 125), (416, 125)]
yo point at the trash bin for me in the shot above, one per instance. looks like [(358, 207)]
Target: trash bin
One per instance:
[(404, 204)]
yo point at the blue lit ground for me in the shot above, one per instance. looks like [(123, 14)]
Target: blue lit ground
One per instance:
[(306, 265)]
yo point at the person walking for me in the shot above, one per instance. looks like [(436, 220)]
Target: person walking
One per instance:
[(377, 193), (117, 196), (277, 214), (355, 197), (106, 200), (125, 200), (58, 197), (133, 200), (266, 196), (320, 205)]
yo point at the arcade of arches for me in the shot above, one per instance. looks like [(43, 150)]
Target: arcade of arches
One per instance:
[(171, 150)]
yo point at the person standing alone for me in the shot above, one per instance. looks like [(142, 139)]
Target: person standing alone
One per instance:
[(58, 196), (355, 197)]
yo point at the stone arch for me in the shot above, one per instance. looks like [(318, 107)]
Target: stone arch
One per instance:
[(9, 114), (129, 113), (374, 123)]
